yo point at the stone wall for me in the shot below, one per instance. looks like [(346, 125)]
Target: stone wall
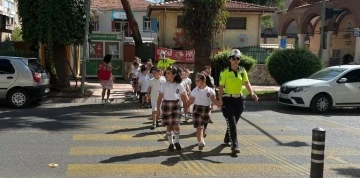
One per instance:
[(259, 75)]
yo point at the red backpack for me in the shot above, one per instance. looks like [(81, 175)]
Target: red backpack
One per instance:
[(103, 72)]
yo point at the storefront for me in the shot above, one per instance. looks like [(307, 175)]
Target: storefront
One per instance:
[(102, 44)]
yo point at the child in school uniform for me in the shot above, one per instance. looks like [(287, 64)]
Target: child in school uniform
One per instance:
[(153, 93), (202, 96), (170, 94), (143, 85), (134, 75), (185, 83)]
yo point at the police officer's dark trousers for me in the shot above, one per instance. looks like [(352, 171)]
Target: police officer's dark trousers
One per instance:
[(232, 109)]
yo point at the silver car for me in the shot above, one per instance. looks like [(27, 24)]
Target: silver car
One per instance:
[(22, 81)]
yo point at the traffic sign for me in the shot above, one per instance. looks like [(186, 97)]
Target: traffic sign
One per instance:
[(356, 32)]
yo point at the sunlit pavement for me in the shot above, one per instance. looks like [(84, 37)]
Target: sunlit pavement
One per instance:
[(91, 140)]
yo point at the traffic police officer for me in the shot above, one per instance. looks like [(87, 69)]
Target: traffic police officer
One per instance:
[(164, 62), (231, 98)]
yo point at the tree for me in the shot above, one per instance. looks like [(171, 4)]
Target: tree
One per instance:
[(16, 34), (203, 19), (133, 26), (55, 24)]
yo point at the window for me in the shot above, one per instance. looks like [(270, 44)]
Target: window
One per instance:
[(117, 27), (35, 66), (179, 21), (6, 67), (146, 24), (336, 53), (352, 76), (95, 26), (236, 23)]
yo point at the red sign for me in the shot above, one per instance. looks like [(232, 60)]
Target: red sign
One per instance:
[(183, 56)]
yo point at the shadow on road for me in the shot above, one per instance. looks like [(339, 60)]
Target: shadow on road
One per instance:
[(290, 144), (348, 172), (63, 118), (186, 152), (290, 110)]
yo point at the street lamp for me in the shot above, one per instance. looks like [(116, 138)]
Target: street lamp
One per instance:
[(85, 46)]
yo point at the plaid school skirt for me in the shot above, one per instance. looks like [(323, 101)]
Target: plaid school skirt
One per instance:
[(201, 115), (170, 112)]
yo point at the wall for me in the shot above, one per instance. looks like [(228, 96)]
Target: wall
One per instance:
[(259, 75), (337, 40), (105, 22), (170, 36), (277, 41)]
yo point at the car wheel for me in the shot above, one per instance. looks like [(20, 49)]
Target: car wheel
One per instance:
[(18, 98), (321, 103)]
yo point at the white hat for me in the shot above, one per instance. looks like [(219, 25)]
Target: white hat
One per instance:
[(235, 53), (162, 53)]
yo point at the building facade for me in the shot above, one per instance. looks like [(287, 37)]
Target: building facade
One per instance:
[(8, 18), (243, 26), (343, 17), (109, 16)]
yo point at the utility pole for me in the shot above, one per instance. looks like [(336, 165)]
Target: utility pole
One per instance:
[(85, 46), (322, 28)]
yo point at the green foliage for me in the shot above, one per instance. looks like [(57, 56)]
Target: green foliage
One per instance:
[(52, 22), (202, 20), (221, 61), (16, 34), (18, 53), (290, 64)]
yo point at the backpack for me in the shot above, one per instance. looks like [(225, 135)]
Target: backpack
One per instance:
[(103, 72)]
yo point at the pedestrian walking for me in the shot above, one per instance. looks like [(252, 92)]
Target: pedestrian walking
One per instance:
[(153, 94), (164, 62), (143, 85), (201, 96), (134, 78), (106, 78), (231, 97), (170, 94)]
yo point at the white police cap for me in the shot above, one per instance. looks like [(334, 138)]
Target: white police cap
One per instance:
[(235, 53)]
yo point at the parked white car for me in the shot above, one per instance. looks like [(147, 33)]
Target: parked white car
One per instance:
[(336, 86), (22, 81)]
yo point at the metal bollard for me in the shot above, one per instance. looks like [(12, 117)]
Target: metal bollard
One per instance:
[(317, 153)]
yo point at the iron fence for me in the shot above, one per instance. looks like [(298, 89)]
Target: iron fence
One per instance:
[(260, 54)]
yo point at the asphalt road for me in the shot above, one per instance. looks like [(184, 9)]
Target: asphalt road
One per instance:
[(115, 141)]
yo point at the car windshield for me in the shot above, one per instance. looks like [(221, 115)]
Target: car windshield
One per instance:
[(327, 74)]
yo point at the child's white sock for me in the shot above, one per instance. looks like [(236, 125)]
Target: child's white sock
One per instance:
[(177, 136), (170, 137)]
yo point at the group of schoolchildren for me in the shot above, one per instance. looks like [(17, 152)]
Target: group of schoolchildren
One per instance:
[(169, 94)]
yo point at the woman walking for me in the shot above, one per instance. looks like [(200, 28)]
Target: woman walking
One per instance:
[(106, 78), (231, 97)]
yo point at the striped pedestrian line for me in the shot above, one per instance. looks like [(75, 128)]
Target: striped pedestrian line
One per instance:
[(246, 150), (191, 128), (218, 137)]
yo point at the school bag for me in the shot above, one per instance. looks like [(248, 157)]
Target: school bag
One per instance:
[(103, 72)]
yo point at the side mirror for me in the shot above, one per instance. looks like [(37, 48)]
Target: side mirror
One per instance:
[(342, 80)]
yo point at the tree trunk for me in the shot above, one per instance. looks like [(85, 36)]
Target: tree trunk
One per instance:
[(133, 26), (60, 81), (202, 58)]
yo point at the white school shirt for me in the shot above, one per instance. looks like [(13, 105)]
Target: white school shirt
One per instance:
[(135, 73), (188, 81), (133, 67), (202, 96), (172, 91), (155, 86), (143, 82)]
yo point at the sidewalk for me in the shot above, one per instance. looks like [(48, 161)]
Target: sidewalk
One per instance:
[(118, 94)]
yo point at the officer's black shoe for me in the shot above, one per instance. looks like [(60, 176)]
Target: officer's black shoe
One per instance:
[(227, 144), (235, 150), (178, 147), (171, 147)]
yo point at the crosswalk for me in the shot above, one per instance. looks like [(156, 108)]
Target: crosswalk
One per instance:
[(125, 146)]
